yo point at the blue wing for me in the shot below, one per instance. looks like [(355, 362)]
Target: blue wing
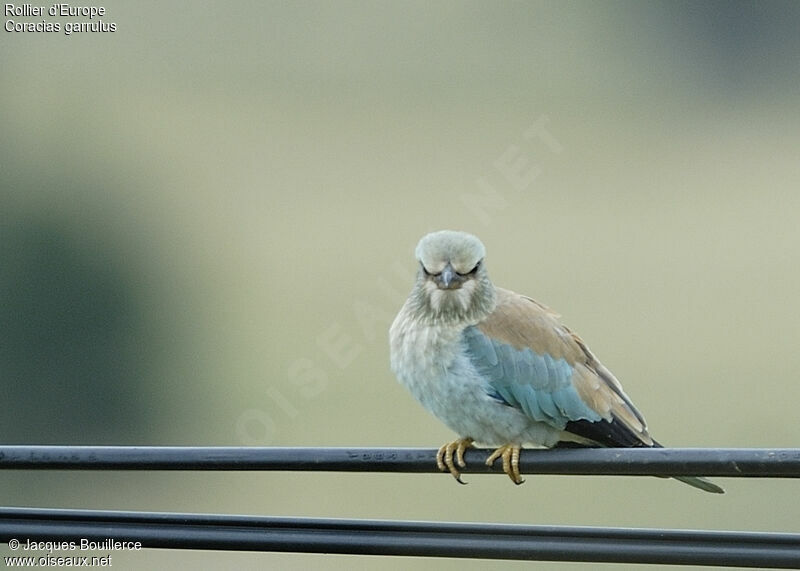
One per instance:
[(538, 384), (537, 365)]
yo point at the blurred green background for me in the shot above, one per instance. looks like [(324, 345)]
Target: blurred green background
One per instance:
[(207, 223)]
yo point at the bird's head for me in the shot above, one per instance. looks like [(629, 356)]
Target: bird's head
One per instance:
[(452, 284)]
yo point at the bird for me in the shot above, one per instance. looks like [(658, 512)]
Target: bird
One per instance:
[(501, 369)]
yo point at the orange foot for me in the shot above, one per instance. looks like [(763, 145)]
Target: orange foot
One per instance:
[(444, 457), (510, 455)]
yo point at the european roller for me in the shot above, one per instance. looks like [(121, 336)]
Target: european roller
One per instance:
[(500, 368)]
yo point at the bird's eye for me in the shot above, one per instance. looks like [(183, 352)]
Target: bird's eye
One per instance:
[(425, 270), (473, 271)]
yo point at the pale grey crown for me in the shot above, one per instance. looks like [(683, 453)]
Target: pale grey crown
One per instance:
[(462, 250), (464, 299)]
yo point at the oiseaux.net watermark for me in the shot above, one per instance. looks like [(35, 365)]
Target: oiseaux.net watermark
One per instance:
[(81, 553), (513, 173)]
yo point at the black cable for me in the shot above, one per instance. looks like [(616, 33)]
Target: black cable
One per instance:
[(404, 538), (732, 462)]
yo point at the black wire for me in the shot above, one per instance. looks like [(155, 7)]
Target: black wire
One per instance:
[(431, 539), (487, 541), (732, 462)]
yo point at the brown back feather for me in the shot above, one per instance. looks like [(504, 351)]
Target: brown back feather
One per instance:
[(525, 323)]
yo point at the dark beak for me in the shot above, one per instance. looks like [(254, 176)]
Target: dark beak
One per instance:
[(448, 279)]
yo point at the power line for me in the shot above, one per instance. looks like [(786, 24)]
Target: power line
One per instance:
[(405, 538), (732, 462)]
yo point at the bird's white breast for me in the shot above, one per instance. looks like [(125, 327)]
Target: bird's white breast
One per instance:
[(431, 361)]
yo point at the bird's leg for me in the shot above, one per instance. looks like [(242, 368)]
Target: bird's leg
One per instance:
[(444, 457), (510, 455)]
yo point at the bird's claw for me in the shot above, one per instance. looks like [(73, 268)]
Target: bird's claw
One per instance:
[(510, 455), (444, 457)]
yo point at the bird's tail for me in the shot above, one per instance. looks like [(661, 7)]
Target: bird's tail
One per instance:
[(696, 481), (700, 484)]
